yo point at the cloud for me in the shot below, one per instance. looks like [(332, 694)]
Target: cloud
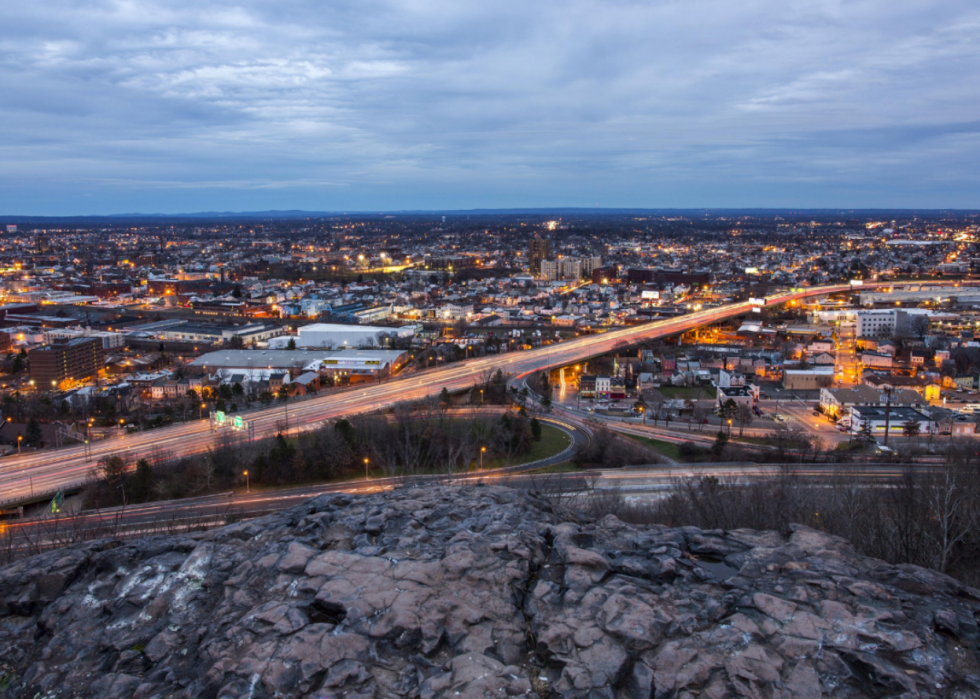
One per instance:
[(118, 104)]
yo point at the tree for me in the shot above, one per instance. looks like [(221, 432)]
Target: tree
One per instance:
[(113, 468), (33, 435), (291, 345), (283, 393), (535, 429), (237, 389), (444, 398), (142, 480), (728, 409), (744, 416), (265, 398), (911, 428), (721, 439), (192, 394)]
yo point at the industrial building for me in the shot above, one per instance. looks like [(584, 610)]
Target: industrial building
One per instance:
[(259, 365), (207, 333), (334, 335)]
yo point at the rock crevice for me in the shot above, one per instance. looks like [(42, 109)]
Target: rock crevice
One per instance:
[(479, 592)]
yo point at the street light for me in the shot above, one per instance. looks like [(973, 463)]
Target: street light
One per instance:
[(483, 450), (19, 439), (729, 427), (246, 482), (200, 414), (366, 476)]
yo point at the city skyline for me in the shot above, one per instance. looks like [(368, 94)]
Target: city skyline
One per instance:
[(144, 107)]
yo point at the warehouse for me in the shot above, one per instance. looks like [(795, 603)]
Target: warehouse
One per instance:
[(257, 365), (331, 335)]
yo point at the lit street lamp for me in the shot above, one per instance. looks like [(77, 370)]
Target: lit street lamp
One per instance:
[(483, 450), (366, 476), (19, 439), (729, 427), (246, 482)]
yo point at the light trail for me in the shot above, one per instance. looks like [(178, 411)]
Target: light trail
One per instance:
[(49, 471)]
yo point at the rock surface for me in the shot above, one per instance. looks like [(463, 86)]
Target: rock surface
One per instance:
[(479, 592)]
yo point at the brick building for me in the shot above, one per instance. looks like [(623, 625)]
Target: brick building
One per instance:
[(75, 359)]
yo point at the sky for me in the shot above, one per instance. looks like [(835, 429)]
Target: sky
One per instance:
[(118, 106)]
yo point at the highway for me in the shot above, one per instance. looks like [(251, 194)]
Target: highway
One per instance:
[(48, 471), (193, 514), (188, 514)]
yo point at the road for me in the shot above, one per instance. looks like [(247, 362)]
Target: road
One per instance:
[(49, 471), (174, 516), (170, 516)]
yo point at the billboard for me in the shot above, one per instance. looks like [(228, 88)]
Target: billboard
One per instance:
[(857, 282), (649, 295), (751, 270), (757, 302), (756, 309)]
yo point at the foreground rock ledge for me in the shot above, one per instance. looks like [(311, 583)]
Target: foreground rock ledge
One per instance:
[(479, 592)]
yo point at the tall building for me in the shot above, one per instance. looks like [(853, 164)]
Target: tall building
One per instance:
[(589, 264), (66, 360), (550, 270), (571, 268), (538, 249)]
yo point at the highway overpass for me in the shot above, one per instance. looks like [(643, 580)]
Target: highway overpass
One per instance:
[(47, 471)]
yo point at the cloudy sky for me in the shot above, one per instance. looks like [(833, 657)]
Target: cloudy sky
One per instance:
[(110, 106)]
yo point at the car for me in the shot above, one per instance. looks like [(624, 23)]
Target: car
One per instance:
[(817, 413)]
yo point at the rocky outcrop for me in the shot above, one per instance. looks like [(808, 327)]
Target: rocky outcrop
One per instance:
[(479, 592)]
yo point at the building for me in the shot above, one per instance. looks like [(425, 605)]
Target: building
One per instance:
[(837, 401), (876, 323), (571, 268), (110, 340), (176, 287), (331, 335), (590, 264), (550, 270), (740, 395), (808, 379), (587, 386), (730, 379), (538, 249), (205, 333), (603, 275), (875, 418), (75, 359), (263, 365), (878, 360)]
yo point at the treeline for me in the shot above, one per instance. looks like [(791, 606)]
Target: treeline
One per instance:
[(928, 516), (410, 440)]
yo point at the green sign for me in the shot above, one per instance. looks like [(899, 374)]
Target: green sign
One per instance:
[(57, 502), (219, 417), (239, 423)]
